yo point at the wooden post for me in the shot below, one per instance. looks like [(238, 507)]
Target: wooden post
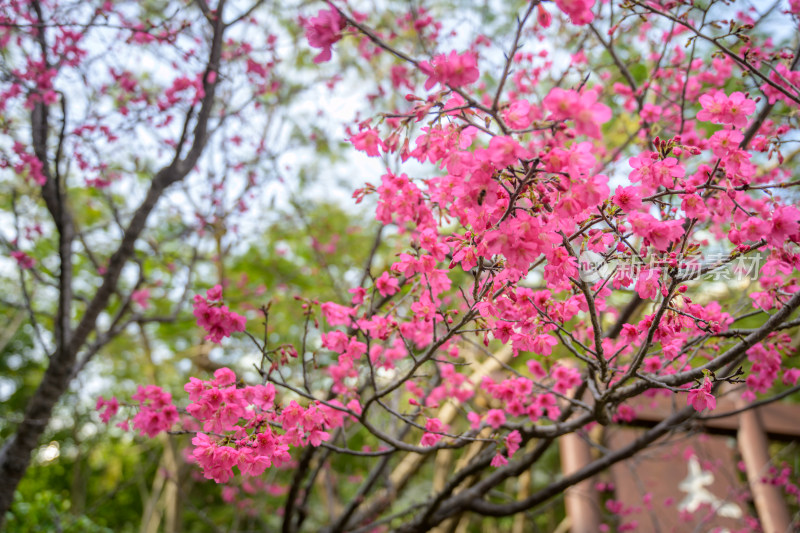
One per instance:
[(580, 500), (753, 444)]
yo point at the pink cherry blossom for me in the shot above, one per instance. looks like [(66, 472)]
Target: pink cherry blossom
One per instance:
[(701, 397), (358, 295), (785, 225), (29, 164), (543, 16), (722, 109), (694, 207), (660, 233), (368, 141), (323, 31), (24, 261), (108, 408), (337, 314), (519, 114), (453, 69), (495, 418), (561, 103), (647, 285), (498, 461), (777, 77), (543, 344), (579, 11), (513, 441), (739, 107), (725, 142), (504, 151), (628, 198), (430, 439), (583, 108), (141, 297)]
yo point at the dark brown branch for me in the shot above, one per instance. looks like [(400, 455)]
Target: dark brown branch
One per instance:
[(650, 436), (297, 479), (744, 64), (341, 523), (754, 405), (730, 356), (765, 111), (510, 56)]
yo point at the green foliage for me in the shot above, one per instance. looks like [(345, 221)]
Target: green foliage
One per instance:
[(48, 511)]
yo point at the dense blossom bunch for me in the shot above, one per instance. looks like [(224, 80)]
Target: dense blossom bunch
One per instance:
[(156, 411), (215, 318), (242, 426)]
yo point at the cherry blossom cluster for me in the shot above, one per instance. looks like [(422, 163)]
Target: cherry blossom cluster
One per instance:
[(28, 164), (243, 427), (783, 476), (156, 411), (24, 261), (234, 425), (216, 318), (107, 408)]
